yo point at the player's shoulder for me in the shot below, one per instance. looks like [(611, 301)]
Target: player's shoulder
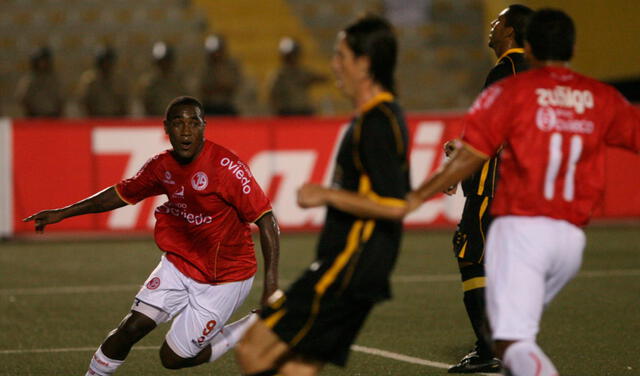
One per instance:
[(386, 112), (158, 159), (222, 158), (216, 151)]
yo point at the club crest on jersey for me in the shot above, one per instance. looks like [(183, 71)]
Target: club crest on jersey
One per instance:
[(167, 178), (154, 283), (199, 181)]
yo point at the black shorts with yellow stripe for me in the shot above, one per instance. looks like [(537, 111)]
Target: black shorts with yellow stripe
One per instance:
[(469, 238), (318, 326)]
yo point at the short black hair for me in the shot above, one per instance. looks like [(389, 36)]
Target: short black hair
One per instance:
[(517, 17), (183, 100), (551, 34), (373, 36)]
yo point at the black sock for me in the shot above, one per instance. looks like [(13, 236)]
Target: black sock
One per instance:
[(474, 301)]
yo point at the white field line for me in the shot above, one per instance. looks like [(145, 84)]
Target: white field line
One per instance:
[(357, 348), (397, 279), (68, 349)]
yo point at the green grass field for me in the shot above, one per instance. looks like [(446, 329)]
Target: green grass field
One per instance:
[(58, 299)]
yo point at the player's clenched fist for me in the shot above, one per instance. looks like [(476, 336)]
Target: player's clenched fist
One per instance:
[(311, 195)]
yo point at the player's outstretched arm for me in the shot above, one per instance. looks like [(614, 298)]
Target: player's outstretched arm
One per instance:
[(270, 245), (463, 164), (312, 195), (102, 201)]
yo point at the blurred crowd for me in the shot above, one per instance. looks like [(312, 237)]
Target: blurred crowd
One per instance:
[(102, 92)]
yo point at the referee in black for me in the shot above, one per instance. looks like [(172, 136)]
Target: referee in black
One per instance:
[(319, 317), (507, 40)]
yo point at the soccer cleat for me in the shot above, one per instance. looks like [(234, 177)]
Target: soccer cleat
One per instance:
[(473, 363)]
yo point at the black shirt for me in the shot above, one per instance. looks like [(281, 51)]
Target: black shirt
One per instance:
[(372, 160), (482, 183)]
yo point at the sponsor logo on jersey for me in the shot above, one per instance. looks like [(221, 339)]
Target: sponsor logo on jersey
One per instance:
[(550, 119), (240, 171), (199, 181), (179, 193), (564, 96), (154, 283), (181, 211)]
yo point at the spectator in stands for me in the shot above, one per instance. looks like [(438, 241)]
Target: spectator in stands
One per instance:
[(221, 78), (101, 93), (159, 87), (39, 91), (289, 92)]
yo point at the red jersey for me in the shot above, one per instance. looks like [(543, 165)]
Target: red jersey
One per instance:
[(554, 125), (204, 227)]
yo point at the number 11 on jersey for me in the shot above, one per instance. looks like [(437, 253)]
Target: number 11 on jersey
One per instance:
[(553, 166)]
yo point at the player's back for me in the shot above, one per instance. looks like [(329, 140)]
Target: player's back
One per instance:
[(555, 124)]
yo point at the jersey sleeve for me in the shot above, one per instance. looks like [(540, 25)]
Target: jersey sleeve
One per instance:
[(485, 126), (624, 130), (382, 149), (239, 188), (144, 184)]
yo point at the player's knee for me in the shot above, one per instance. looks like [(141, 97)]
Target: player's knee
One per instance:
[(169, 359), (136, 326)]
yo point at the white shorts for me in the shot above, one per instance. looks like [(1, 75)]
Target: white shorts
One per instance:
[(200, 309), (529, 260)]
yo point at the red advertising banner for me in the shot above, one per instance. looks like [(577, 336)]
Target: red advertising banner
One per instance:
[(55, 163)]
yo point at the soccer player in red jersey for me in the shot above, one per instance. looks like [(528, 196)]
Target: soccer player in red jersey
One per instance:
[(553, 125), (209, 262)]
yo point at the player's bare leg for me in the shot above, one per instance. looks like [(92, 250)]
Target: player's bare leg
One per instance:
[(222, 342), (260, 350), (111, 354), (300, 367)]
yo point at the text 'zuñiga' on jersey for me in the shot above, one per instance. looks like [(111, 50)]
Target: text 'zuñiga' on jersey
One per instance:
[(204, 227), (554, 125)]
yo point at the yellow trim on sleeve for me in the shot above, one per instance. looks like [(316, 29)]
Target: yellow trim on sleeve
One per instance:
[(475, 151), (262, 215), (474, 283), (115, 188), (365, 189)]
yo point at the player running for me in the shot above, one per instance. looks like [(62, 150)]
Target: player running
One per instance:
[(209, 262), (554, 134), (318, 318)]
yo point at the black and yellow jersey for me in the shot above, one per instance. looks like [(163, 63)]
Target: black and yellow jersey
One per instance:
[(482, 183), (372, 160)]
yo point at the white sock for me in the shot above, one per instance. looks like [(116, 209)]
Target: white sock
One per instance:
[(101, 365), (229, 335), (527, 359)]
